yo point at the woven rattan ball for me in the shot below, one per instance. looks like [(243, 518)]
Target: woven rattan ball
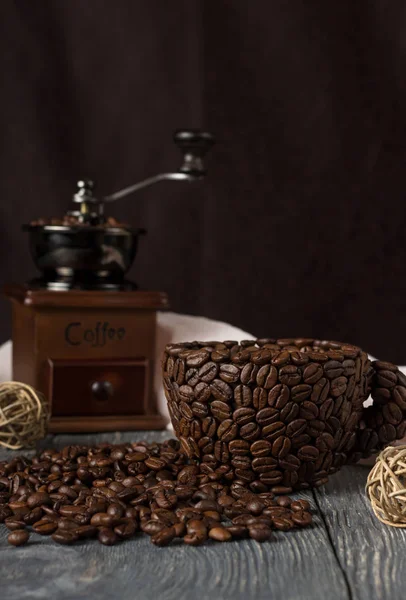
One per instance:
[(23, 415), (386, 486)]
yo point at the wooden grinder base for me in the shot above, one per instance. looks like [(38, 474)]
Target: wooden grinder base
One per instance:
[(90, 353)]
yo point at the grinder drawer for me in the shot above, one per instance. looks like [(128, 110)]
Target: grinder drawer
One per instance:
[(98, 388)]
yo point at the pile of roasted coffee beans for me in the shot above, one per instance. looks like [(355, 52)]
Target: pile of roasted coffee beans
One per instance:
[(112, 492), (73, 221)]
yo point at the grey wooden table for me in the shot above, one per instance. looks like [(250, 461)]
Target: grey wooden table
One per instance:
[(348, 554)]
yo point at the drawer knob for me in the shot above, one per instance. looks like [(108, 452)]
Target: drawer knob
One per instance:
[(102, 390)]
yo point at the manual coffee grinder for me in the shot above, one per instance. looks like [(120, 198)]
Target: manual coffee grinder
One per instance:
[(83, 335)]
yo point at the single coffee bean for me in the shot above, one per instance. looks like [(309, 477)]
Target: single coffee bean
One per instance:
[(249, 373), (202, 392), (280, 358), (283, 523), (243, 395), (255, 506), (320, 391), (38, 499), (238, 532), (12, 523), (250, 432), (267, 416), (221, 390), (273, 431), (260, 533), (399, 396), (197, 527), (166, 498), (290, 375), (289, 412), (33, 516), (82, 518), (86, 531), (312, 373), (264, 464), (18, 537), (228, 430), (296, 427), (45, 527), (107, 536), (244, 415), (116, 511), (387, 433), (180, 529), (69, 510), (289, 462), (302, 518), (205, 505), (326, 410), (281, 489), (300, 393), (308, 453), (281, 446), (260, 448), (199, 409), (309, 410), (102, 520), (65, 537), (193, 539), (262, 520), (67, 524), (152, 527), (271, 478), (386, 378), (333, 369), (5, 512), (208, 372), (126, 530), (229, 373), (259, 399), (284, 501), (197, 358), (220, 534), (19, 508), (164, 537), (220, 410), (392, 413), (304, 504)]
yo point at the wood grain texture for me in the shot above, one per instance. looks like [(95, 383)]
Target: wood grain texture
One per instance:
[(300, 565), (372, 555)]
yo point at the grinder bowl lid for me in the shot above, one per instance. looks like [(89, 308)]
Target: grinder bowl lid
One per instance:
[(76, 229)]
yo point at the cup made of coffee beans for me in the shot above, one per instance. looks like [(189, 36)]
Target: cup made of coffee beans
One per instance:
[(285, 412)]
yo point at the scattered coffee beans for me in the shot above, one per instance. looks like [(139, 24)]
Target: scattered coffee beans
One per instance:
[(18, 537), (111, 492)]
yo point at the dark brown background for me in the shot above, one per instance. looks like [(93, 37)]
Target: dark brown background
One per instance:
[(300, 228)]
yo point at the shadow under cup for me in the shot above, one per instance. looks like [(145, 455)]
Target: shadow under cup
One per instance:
[(285, 412)]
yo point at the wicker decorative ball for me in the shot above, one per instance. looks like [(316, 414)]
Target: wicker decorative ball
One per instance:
[(23, 415), (386, 486)]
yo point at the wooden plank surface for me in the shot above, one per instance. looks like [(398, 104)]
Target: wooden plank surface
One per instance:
[(333, 560), (371, 554)]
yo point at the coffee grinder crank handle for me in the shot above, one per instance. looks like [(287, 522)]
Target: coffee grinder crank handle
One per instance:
[(194, 145)]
